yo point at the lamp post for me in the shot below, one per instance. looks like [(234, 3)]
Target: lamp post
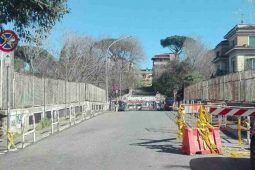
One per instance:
[(106, 65)]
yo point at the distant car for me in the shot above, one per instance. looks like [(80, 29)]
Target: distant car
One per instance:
[(139, 107), (149, 105), (168, 104), (122, 106), (131, 107), (160, 106)]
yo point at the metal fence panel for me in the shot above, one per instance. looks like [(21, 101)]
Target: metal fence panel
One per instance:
[(30, 91), (232, 87)]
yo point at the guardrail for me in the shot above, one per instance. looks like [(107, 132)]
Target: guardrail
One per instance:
[(57, 118), (54, 120), (26, 130)]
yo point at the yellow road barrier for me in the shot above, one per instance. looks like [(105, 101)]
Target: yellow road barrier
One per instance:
[(203, 125), (10, 138), (239, 130), (181, 122)]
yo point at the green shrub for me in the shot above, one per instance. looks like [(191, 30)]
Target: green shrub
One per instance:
[(45, 122)]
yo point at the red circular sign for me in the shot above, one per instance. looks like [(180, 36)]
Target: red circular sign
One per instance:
[(8, 41)]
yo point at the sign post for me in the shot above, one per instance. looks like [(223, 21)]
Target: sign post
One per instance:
[(8, 106), (175, 93), (8, 42)]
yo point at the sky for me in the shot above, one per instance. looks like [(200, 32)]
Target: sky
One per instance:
[(152, 20)]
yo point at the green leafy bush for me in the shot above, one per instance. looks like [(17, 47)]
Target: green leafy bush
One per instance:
[(45, 122)]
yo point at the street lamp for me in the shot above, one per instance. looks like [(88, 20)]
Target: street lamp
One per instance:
[(106, 65)]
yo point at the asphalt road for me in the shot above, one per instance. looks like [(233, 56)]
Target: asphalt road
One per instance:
[(116, 141)]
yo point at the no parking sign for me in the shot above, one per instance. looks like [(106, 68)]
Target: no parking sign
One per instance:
[(8, 41)]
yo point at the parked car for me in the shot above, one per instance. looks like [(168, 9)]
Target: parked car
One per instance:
[(159, 106), (122, 106), (168, 104), (148, 105), (131, 107), (139, 106)]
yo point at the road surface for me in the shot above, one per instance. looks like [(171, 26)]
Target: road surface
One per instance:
[(115, 141)]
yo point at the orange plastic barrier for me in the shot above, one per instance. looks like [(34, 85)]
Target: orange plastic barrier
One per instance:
[(192, 142), (191, 108)]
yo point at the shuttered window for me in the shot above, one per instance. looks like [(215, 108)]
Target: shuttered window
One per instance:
[(250, 64), (233, 63), (252, 41)]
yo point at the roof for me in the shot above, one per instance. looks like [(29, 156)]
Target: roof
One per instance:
[(219, 58), (164, 55), (246, 49), (239, 27), (224, 42), (147, 70)]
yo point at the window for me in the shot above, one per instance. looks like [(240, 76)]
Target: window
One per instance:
[(233, 65), (250, 64), (218, 54), (234, 42), (252, 41)]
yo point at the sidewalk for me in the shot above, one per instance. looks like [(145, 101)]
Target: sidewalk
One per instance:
[(64, 123)]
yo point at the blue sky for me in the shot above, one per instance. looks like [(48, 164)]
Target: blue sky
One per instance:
[(152, 20)]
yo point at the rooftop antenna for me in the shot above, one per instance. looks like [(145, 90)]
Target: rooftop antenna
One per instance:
[(240, 15), (242, 18)]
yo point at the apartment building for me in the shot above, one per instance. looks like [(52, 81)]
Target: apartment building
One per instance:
[(160, 62), (237, 52), (145, 76)]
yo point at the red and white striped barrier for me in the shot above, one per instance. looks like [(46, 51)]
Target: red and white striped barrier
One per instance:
[(226, 111), (232, 111)]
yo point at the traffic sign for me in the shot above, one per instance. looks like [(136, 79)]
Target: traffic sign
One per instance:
[(8, 41), (115, 87)]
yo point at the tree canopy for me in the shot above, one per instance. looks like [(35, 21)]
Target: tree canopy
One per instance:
[(128, 49), (194, 66), (178, 74), (32, 16), (174, 43), (30, 55)]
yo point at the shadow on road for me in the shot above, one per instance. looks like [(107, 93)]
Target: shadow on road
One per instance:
[(220, 163), (160, 130), (176, 167), (159, 145)]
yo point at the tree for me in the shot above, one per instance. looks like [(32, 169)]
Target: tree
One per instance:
[(128, 49), (195, 65), (81, 61), (174, 43), (125, 55), (32, 16), (39, 60), (174, 77), (199, 57)]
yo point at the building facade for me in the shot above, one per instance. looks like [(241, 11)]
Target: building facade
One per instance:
[(145, 76), (160, 63), (237, 52)]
